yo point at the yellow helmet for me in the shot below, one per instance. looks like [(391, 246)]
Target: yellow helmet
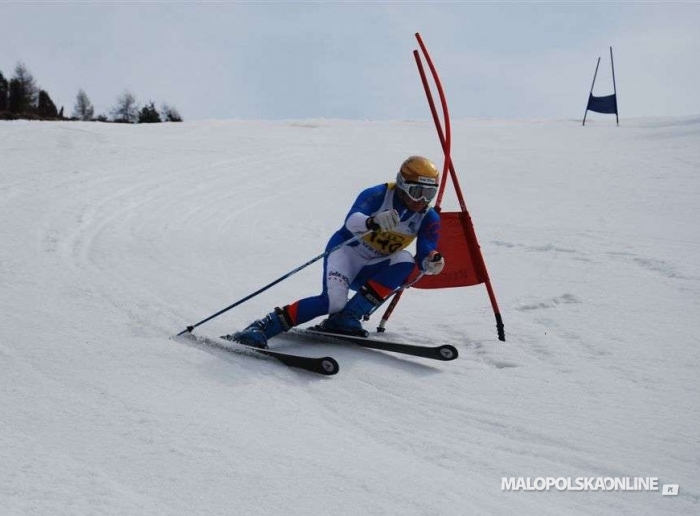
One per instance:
[(418, 178)]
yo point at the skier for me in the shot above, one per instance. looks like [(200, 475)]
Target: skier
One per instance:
[(396, 214)]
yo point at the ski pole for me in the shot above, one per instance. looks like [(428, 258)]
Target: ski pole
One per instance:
[(397, 290), (278, 280), (407, 285)]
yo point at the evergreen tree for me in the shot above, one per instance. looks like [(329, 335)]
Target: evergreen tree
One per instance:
[(83, 109), (45, 106), (15, 97), (23, 92), (126, 110), (4, 92), (149, 114)]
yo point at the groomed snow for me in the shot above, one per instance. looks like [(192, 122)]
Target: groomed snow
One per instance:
[(113, 238)]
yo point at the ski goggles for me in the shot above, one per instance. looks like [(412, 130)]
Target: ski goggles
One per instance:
[(417, 191)]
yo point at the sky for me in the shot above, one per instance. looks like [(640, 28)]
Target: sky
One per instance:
[(353, 60)]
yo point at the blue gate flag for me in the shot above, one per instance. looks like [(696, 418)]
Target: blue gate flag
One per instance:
[(607, 104)]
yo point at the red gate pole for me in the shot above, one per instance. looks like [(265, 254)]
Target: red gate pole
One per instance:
[(467, 225), (445, 140)]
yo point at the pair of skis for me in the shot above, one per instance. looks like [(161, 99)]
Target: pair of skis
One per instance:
[(328, 365)]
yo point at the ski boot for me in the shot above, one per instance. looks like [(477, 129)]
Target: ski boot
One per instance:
[(347, 321), (258, 332)]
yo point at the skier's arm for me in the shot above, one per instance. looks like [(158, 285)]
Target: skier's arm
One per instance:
[(367, 203), (427, 242)]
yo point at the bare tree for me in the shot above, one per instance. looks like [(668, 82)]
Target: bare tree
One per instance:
[(170, 114), (126, 110), (83, 109)]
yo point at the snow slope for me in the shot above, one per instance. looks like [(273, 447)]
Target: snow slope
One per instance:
[(113, 238)]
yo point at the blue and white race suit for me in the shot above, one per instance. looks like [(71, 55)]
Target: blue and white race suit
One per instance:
[(380, 258)]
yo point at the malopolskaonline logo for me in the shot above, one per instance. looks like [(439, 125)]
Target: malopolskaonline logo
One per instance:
[(587, 484)]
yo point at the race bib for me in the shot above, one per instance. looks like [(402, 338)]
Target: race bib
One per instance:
[(388, 242)]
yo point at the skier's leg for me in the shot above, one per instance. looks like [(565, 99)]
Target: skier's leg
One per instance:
[(374, 283), (339, 267)]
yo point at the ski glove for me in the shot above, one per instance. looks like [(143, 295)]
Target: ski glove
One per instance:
[(384, 220), (433, 263)]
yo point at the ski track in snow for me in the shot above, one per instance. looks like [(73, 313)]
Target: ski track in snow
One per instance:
[(117, 237)]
